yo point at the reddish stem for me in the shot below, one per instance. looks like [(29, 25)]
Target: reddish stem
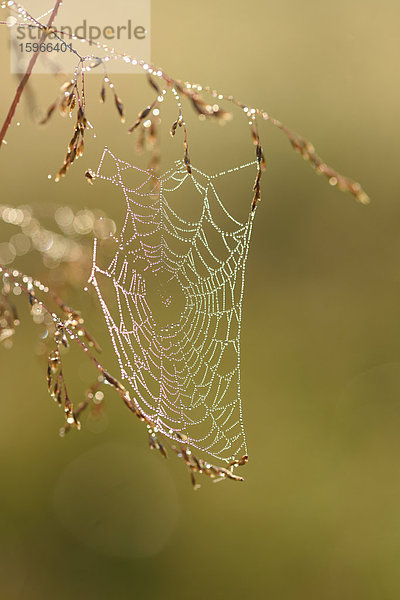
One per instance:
[(28, 73)]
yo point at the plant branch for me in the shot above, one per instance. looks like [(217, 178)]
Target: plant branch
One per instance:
[(28, 73)]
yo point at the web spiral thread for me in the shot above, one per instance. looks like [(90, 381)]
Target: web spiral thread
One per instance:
[(172, 299)]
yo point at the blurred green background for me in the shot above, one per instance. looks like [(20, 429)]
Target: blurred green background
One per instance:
[(97, 516)]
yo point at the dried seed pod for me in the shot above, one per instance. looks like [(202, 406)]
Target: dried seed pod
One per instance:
[(260, 156), (96, 62), (174, 128), (57, 394), (185, 455), (254, 135), (152, 136), (162, 449), (195, 485), (49, 113), (142, 115), (239, 462), (120, 108), (61, 173), (73, 154), (32, 298), (63, 109), (55, 388), (73, 103), (60, 337), (81, 148), (153, 83), (141, 140), (67, 86), (200, 106), (72, 141), (80, 115), (197, 463), (103, 94), (70, 98), (187, 159)]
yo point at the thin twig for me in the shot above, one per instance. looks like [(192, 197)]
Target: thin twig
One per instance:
[(27, 75)]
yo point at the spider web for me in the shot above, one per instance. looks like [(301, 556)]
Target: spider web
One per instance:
[(172, 300)]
